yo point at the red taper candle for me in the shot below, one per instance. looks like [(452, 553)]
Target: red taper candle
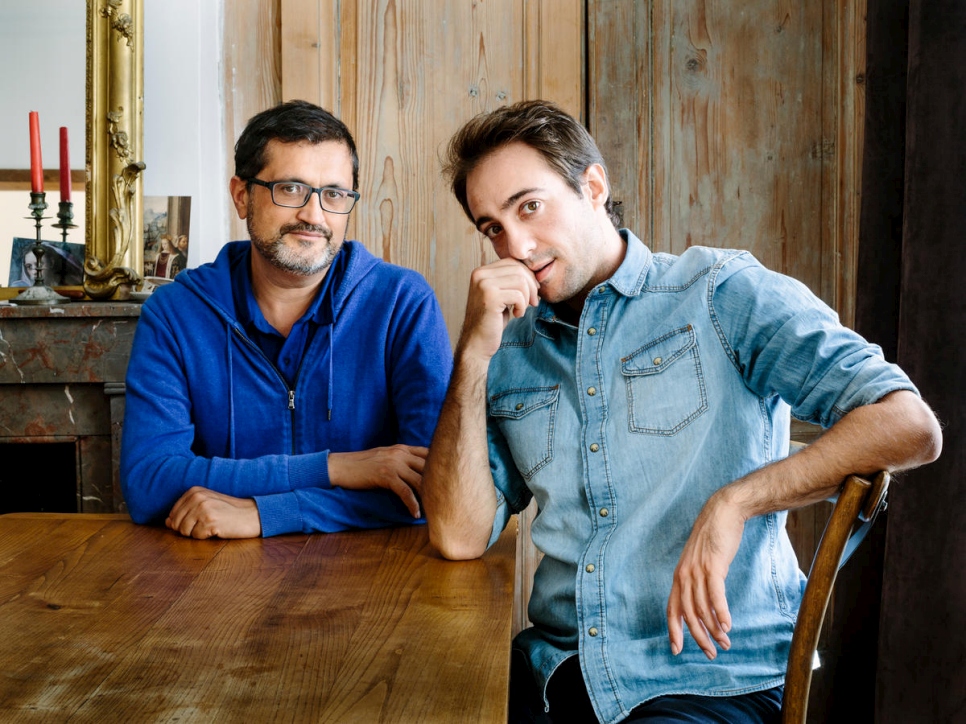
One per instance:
[(36, 165), (64, 166)]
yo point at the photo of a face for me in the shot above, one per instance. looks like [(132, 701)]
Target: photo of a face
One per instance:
[(62, 263), (166, 221)]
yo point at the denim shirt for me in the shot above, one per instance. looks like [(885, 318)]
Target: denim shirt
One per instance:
[(680, 378)]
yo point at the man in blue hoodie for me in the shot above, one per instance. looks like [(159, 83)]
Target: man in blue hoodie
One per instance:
[(293, 384)]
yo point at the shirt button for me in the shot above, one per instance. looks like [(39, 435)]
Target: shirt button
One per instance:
[(519, 406), (590, 568), (592, 331), (594, 447), (604, 512), (658, 360), (592, 631), (591, 391), (600, 290)]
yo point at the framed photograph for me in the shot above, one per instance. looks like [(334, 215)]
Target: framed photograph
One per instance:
[(63, 263), (166, 220)]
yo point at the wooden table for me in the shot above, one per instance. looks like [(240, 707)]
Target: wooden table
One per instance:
[(102, 620)]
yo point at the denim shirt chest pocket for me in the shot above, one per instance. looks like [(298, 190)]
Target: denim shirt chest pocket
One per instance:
[(664, 383), (525, 417)]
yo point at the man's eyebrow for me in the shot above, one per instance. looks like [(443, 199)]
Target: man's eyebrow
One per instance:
[(512, 199)]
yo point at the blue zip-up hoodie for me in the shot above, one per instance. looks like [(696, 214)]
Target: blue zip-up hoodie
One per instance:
[(204, 406)]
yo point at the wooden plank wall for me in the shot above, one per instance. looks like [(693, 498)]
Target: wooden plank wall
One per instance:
[(404, 76), (735, 125), (252, 77)]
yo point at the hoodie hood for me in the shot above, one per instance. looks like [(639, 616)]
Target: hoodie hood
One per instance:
[(213, 284)]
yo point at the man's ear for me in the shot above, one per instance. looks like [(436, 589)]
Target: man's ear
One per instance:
[(239, 195), (595, 178)]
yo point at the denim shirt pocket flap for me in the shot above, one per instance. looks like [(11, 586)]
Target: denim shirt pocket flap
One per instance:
[(517, 403), (525, 417), (659, 354), (664, 384)]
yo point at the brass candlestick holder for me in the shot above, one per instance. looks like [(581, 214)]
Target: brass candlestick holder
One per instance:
[(65, 215), (39, 293)]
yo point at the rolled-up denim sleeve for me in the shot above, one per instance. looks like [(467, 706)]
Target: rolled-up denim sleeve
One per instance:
[(785, 341)]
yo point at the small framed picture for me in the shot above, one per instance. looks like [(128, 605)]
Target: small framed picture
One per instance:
[(166, 223), (63, 263)]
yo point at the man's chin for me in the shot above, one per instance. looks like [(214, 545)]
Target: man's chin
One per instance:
[(302, 269), (291, 259)]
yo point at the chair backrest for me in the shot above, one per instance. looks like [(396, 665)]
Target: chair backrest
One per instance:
[(859, 502)]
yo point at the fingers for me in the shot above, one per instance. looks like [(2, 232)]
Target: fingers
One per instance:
[(407, 496), (497, 292), (398, 468), (706, 615), (202, 513)]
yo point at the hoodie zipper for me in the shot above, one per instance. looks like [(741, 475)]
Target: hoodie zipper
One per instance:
[(281, 377)]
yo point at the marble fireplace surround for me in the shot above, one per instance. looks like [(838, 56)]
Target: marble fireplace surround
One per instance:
[(62, 380)]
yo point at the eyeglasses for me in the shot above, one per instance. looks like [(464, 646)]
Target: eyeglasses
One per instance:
[(294, 195)]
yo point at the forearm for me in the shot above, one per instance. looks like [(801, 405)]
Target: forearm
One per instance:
[(898, 432), (457, 488), (153, 479)]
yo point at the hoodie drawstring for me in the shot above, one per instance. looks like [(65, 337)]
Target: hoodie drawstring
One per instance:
[(331, 327), (231, 394)]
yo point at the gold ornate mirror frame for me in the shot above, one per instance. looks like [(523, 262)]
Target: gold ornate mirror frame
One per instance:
[(115, 114)]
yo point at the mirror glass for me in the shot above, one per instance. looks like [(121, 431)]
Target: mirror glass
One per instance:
[(49, 37)]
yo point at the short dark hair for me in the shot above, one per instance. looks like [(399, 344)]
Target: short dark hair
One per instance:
[(565, 145), (290, 122)]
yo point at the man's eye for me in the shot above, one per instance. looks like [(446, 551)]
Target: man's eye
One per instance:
[(492, 231), (531, 206), (334, 194), (291, 189)]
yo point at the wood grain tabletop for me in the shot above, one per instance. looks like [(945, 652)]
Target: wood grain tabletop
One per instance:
[(103, 620)]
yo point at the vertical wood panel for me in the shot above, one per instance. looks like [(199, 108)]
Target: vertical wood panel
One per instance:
[(252, 75), (736, 126), (404, 76)]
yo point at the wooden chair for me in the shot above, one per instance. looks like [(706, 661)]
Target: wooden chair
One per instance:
[(859, 502)]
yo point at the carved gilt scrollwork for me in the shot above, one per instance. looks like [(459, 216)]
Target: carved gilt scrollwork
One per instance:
[(114, 140)]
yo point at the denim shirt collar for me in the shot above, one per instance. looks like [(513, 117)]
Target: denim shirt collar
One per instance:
[(628, 280)]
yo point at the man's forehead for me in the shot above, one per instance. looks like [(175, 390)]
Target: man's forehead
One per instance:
[(509, 173), (277, 149)]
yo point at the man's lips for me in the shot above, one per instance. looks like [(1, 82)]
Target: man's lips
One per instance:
[(543, 271)]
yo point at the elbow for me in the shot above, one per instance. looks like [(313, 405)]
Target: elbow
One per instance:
[(925, 434), (931, 437), (454, 547)]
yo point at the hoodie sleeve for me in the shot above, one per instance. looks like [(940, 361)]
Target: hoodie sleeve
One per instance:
[(418, 362), (158, 464)]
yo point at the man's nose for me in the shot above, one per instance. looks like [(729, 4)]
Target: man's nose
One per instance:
[(312, 212), (519, 244)]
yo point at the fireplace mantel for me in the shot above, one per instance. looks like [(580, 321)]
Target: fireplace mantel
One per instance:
[(62, 380)]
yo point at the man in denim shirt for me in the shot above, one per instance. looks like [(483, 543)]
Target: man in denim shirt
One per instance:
[(644, 401)]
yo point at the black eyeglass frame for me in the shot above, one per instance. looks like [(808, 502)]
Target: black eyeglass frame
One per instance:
[(270, 185)]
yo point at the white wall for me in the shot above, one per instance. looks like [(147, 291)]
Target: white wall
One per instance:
[(184, 146), (43, 70)]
